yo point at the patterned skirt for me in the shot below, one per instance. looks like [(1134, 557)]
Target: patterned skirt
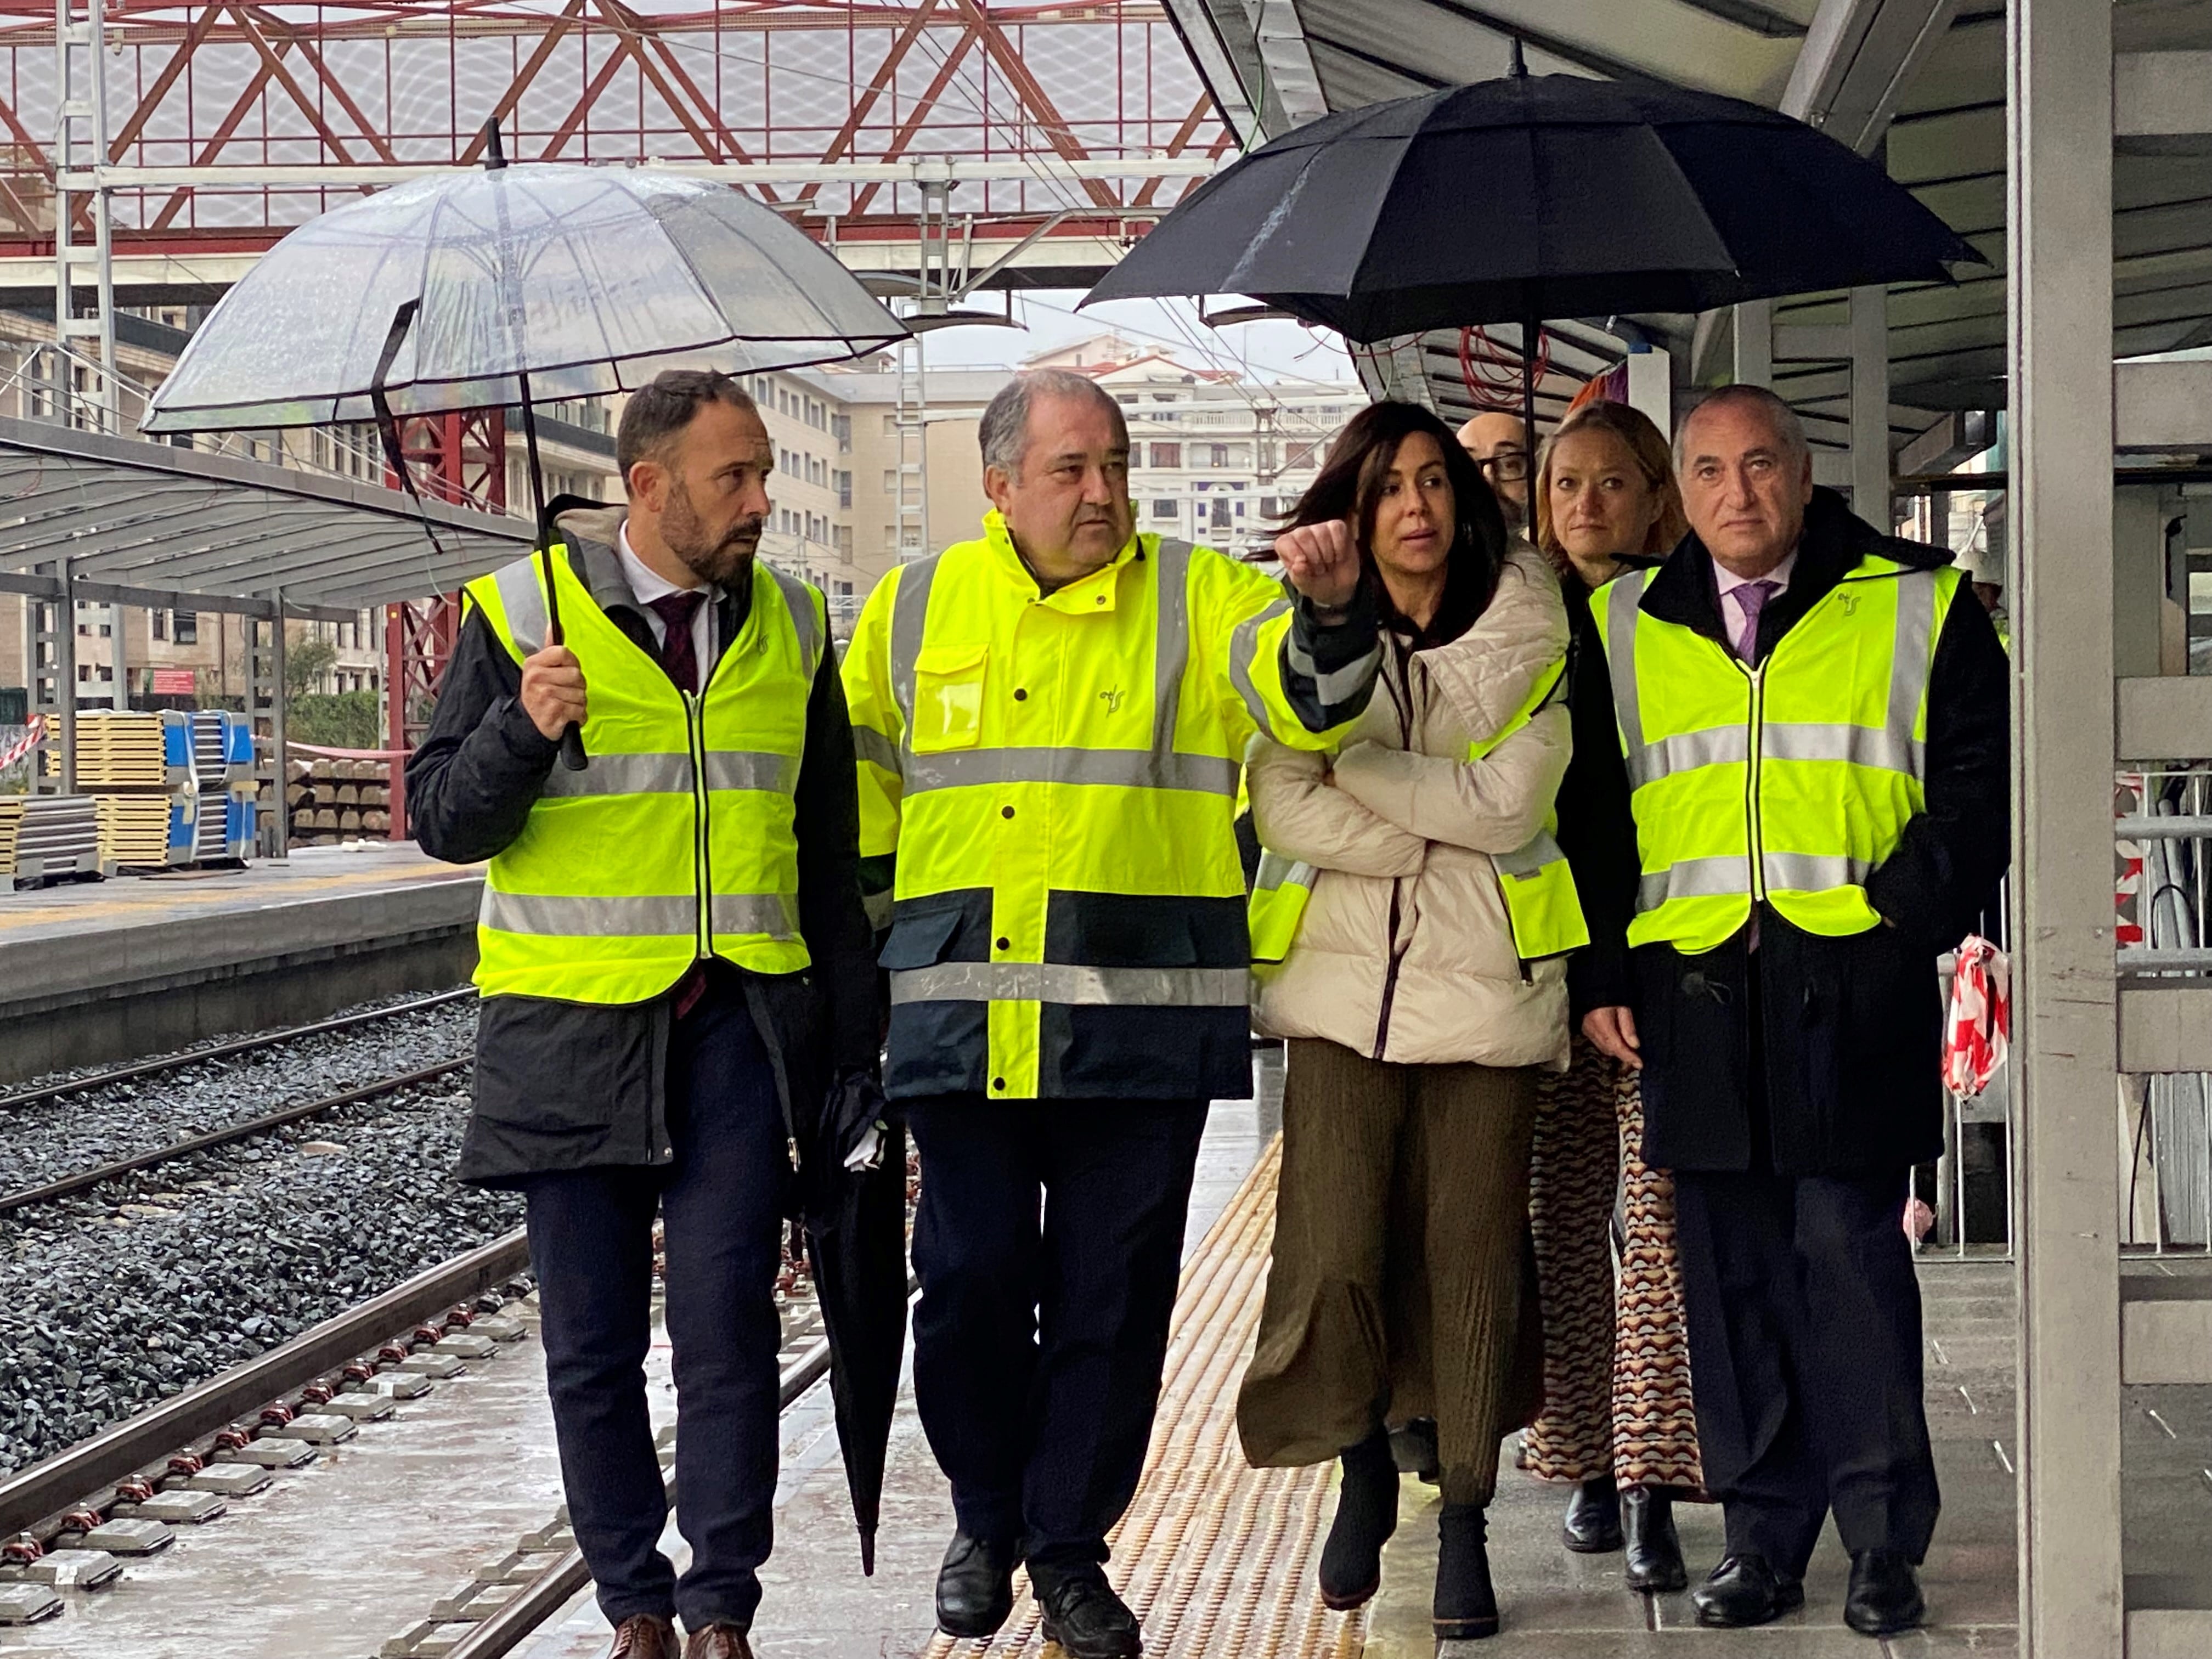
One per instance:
[(1616, 1369)]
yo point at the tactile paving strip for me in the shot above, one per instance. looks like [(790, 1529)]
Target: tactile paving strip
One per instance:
[(1215, 1557)]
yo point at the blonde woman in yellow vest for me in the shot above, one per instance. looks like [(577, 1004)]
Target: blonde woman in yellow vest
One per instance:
[(1812, 715), (675, 969), (1618, 1420), (1422, 986)]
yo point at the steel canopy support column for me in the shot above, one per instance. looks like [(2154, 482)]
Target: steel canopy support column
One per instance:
[(280, 838), (1870, 469), (2059, 565), (1754, 343)]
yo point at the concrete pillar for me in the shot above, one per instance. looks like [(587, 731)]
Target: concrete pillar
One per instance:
[(2059, 247), (1754, 343), (1870, 472)]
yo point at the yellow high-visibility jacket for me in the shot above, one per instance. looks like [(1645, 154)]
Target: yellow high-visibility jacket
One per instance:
[(676, 842), (1047, 783), (1789, 782)]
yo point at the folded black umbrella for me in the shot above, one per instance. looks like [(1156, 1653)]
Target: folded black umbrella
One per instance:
[(851, 1176), (1538, 196)]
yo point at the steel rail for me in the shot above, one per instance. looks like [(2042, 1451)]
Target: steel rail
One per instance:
[(221, 1051), (84, 1180), (64, 1480)]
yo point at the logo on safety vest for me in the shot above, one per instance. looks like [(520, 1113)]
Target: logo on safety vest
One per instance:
[(1112, 700)]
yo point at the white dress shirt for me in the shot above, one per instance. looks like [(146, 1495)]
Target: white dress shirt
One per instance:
[(648, 587)]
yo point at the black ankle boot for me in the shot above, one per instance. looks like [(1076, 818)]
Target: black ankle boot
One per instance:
[(1466, 1608), (1592, 1526), (1655, 1550), (1366, 1516)]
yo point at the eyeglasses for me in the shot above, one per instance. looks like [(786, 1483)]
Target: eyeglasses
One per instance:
[(1508, 466)]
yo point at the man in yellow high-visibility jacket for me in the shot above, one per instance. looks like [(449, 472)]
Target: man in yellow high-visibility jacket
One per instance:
[(674, 963), (1814, 722), (1050, 721)]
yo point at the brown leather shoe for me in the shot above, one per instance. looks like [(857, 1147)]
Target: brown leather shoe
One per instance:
[(718, 1642), (641, 1635)]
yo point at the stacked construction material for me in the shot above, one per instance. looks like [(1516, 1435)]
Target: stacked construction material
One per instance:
[(11, 822), (59, 835), (174, 786), (335, 800)]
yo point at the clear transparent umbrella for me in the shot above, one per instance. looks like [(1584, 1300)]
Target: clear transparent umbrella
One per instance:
[(496, 288)]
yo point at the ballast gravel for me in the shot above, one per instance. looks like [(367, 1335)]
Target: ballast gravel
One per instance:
[(55, 1138), (112, 1300)]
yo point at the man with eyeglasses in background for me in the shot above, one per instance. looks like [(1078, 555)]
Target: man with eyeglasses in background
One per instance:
[(1499, 444)]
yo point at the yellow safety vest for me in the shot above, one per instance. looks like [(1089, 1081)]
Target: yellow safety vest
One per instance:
[(1056, 776), (1788, 783), (1542, 904), (678, 842)]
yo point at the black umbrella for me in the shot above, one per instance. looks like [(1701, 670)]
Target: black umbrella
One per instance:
[(852, 1183), (1537, 196)]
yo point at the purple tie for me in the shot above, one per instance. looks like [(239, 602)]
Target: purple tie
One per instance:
[(1751, 598), (677, 656)]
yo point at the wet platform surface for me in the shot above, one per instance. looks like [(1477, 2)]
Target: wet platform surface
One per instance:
[(1218, 1558)]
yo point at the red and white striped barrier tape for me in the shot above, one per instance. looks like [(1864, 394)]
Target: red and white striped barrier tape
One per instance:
[(34, 735)]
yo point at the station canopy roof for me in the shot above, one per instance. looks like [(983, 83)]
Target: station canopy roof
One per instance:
[(1921, 82), (145, 523)]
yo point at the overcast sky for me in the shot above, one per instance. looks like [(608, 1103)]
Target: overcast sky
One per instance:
[(1266, 350)]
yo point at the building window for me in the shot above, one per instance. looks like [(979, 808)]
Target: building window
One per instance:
[(1297, 457), (1219, 455), (845, 490), (1166, 509), (1167, 455), (157, 624), (187, 629), (1240, 509), (1220, 515)]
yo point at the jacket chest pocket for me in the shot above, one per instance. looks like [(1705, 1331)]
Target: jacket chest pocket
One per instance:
[(948, 698)]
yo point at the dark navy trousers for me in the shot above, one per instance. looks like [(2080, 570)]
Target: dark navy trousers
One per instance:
[(590, 1245), (1048, 1242)]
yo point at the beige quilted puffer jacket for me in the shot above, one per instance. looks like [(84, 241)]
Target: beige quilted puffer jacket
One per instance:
[(1404, 952)]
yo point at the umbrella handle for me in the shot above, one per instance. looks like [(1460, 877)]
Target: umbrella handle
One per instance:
[(572, 739), (572, 749)]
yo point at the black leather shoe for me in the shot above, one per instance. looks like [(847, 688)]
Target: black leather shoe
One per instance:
[(1466, 1606), (975, 1587), (1885, 1594), (1655, 1550), (1083, 1615), (1744, 1591), (1592, 1522), (1366, 1516)]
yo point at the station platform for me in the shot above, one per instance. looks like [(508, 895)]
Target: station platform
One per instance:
[(96, 971), (1218, 1558)]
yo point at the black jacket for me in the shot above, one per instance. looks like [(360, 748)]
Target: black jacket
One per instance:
[(1849, 1030), (566, 1086)]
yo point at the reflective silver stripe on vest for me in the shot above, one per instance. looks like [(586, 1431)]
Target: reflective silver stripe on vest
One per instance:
[(1244, 650), (622, 775), (671, 774), (800, 598), (1129, 769), (1912, 659), (909, 613), (522, 596), (1171, 641), (1727, 875), (1621, 608), (1531, 859), (1891, 750), (740, 768), (1717, 745), (1278, 870), (772, 914), (1060, 982), (671, 915), (870, 744)]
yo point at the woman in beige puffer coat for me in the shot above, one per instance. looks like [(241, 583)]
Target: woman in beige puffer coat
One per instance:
[(1416, 1031)]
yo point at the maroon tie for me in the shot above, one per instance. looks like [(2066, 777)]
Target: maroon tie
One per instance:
[(677, 656)]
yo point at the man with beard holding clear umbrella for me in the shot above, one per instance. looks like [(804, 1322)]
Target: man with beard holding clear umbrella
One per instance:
[(674, 964)]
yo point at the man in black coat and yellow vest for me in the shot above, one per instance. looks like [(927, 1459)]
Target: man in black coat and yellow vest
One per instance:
[(1814, 717), (1051, 721), (675, 966)]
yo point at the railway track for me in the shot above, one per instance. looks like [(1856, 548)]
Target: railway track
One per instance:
[(245, 1129), (221, 1051)]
